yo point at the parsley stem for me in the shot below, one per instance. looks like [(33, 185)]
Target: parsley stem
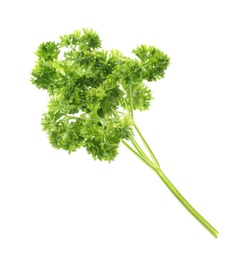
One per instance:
[(140, 151), (72, 117), (130, 101), (155, 166), (186, 204), (138, 155), (146, 145)]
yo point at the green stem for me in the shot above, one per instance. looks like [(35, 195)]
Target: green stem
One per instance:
[(147, 146), (139, 156), (72, 117), (155, 166), (130, 100), (140, 151), (186, 204)]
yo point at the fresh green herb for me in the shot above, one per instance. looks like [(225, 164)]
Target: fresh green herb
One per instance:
[(93, 94)]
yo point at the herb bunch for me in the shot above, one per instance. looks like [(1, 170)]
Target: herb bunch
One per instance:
[(93, 95)]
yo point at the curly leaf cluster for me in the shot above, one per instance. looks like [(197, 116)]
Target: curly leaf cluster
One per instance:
[(93, 91)]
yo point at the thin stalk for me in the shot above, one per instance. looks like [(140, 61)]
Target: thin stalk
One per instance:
[(140, 151), (156, 167), (186, 204), (142, 156), (72, 117), (147, 146), (130, 100), (139, 156)]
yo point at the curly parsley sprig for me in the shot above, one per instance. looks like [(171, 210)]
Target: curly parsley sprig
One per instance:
[(93, 96)]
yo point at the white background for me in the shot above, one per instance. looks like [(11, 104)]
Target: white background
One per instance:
[(59, 206)]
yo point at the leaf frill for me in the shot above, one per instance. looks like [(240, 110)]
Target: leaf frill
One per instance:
[(89, 103)]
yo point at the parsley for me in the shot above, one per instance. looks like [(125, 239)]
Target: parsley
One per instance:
[(93, 93)]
